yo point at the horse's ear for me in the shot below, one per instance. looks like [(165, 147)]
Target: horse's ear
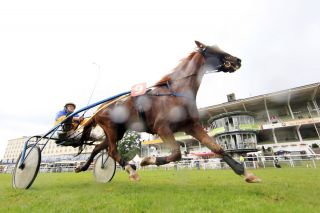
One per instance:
[(199, 44)]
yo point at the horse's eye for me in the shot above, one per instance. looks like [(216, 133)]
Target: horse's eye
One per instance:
[(228, 57)]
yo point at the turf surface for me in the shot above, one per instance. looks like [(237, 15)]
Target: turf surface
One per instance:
[(282, 190)]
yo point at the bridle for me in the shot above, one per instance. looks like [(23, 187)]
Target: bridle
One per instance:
[(225, 63)]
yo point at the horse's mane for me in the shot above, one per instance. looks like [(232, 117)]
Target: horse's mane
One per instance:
[(181, 66)]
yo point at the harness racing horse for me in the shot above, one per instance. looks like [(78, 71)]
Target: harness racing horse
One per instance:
[(167, 107)]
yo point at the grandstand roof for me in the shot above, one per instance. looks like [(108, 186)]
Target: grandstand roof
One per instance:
[(227, 114), (255, 103)]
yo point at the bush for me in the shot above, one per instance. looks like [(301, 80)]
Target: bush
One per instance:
[(314, 146), (130, 145)]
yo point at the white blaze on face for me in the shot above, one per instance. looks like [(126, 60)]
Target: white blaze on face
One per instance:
[(177, 114), (119, 114)]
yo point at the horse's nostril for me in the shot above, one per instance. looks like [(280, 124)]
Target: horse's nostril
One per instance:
[(239, 60), (227, 64)]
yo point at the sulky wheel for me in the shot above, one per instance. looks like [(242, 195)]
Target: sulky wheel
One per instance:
[(23, 177), (104, 168)]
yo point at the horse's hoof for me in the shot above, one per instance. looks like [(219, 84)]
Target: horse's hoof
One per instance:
[(78, 169), (134, 177), (148, 161), (251, 178)]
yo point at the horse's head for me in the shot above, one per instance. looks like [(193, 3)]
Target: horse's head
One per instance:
[(216, 59)]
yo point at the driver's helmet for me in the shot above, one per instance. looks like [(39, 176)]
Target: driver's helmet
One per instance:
[(70, 103)]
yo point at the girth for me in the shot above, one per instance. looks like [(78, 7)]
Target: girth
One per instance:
[(142, 115), (139, 107)]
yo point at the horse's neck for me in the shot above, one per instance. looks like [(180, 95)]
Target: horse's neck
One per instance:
[(189, 75)]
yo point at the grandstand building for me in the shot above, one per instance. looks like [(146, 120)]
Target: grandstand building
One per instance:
[(235, 131), (287, 120)]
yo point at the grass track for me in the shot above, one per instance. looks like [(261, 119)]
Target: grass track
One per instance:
[(282, 190)]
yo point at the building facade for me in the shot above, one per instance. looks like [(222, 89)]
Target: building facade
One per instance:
[(51, 153), (235, 131)]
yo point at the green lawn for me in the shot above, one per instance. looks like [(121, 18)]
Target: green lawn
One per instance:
[(282, 190)]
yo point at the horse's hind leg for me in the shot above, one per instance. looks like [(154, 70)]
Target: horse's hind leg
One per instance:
[(198, 132), (168, 138), (94, 152)]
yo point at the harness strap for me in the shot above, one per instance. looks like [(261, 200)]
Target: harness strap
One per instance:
[(142, 114), (172, 93)]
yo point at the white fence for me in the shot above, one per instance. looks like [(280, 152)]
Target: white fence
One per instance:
[(309, 161)]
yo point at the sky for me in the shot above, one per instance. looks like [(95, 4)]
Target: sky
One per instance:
[(53, 52)]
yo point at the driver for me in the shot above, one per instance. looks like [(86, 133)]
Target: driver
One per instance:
[(70, 125)]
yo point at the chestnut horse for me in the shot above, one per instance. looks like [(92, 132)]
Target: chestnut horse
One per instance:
[(167, 107)]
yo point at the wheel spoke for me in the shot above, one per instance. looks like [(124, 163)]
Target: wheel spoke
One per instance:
[(104, 168), (25, 174)]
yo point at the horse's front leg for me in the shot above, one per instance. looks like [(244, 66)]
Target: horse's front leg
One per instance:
[(168, 138), (94, 152), (201, 135), (113, 152)]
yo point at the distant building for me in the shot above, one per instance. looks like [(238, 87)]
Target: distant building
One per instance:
[(51, 152)]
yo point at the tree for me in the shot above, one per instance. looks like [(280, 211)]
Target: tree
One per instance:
[(129, 145)]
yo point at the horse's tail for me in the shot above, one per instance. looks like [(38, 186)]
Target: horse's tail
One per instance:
[(87, 127), (90, 122)]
